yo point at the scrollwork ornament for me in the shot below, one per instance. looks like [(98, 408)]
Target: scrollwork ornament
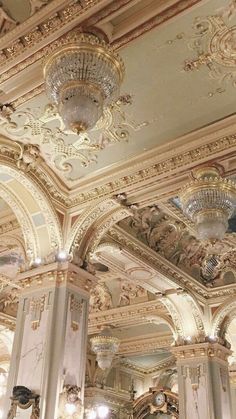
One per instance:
[(214, 44), (63, 147)]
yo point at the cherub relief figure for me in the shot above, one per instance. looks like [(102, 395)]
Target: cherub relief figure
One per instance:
[(171, 239), (130, 291), (100, 298)]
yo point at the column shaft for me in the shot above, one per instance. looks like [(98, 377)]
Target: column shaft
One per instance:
[(50, 342), (204, 389)]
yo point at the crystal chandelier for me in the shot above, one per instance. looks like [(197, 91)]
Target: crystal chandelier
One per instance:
[(209, 201), (82, 77), (105, 346)]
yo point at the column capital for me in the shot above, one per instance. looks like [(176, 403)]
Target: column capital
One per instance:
[(205, 350), (56, 275)]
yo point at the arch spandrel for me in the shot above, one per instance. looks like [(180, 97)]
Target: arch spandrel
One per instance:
[(222, 317), (34, 212), (92, 225)]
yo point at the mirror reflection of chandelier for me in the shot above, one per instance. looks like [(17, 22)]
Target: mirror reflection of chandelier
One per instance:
[(82, 77), (209, 201), (105, 346)]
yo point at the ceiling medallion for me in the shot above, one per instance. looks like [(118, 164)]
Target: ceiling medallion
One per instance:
[(209, 201), (214, 45), (83, 77), (105, 346)]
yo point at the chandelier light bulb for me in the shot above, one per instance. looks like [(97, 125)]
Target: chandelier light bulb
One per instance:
[(70, 408), (37, 261), (81, 78), (102, 411), (62, 256), (92, 414), (209, 201)]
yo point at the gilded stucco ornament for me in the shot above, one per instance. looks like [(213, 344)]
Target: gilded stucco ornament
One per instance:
[(100, 298), (169, 237), (213, 44), (65, 148)]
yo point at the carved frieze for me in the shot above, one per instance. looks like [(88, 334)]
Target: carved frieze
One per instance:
[(130, 292), (172, 239), (100, 298)]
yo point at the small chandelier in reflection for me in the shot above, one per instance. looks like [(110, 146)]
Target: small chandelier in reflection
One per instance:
[(82, 77), (209, 201), (105, 346)]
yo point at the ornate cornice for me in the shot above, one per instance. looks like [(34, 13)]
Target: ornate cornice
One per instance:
[(8, 321), (201, 350), (145, 344), (9, 226), (56, 274), (161, 365), (168, 13), (131, 314), (144, 171), (58, 17)]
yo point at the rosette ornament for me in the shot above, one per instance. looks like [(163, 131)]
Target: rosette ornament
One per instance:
[(209, 201), (105, 346), (82, 77)]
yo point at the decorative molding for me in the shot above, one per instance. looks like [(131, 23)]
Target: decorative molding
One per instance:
[(100, 298), (214, 48), (91, 226), (76, 309), (7, 321), (136, 177), (166, 14), (145, 344), (161, 365), (163, 266), (56, 274), (37, 305), (222, 317), (46, 129), (126, 315), (201, 350)]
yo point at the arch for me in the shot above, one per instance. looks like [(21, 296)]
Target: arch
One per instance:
[(9, 239), (145, 404), (186, 314), (92, 224), (222, 317), (34, 212), (162, 319)]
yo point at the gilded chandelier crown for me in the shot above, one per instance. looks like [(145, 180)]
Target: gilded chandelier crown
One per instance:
[(82, 77), (209, 201)]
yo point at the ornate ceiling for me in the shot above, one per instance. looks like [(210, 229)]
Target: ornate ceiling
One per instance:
[(144, 117), (112, 194)]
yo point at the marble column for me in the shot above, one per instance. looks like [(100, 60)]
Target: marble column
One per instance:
[(233, 391), (203, 380), (49, 350)]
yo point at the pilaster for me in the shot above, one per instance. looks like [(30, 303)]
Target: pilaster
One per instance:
[(203, 375), (49, 350)]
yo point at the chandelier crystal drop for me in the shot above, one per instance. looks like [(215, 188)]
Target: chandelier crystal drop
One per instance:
[(105, 346), (82, 77), (209, 201)]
